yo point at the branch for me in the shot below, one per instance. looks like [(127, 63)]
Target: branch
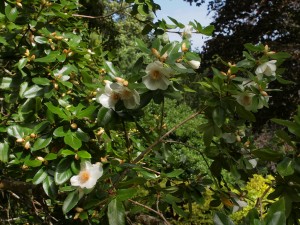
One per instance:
[(16, 186), (150, 209), (149, 149), (103, 16)]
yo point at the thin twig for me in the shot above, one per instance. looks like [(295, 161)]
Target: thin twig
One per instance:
[(103, 16), (149, 149), (150, 209)]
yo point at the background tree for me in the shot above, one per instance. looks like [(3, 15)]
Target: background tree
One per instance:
[(274, 23)]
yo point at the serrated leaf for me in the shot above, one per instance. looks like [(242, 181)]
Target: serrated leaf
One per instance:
[(116, 213), (71, 201)]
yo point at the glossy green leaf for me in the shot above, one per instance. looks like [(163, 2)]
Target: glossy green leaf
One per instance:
[(57, 110), (60, 132), (124, 194), (4, 147), (71, 201), (63, 171), (104, 116), (267, 154), (50, 156), (33, 91), (276, 213), (11, 13), (41, 81), (66, 152), (50, 187), (33, 162), (219, 116), (41, 39), (222, 219), (116, 213), (292, 126), (41, 142), (84, 154), (22, 62), (17, 131), (72, 140), (175, 173), (286, 167), (40, 176)]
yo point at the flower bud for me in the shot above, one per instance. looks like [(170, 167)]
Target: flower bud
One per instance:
[(20, 140), (183, 47), (27, 145), (33, 135), (247, 144), (40, 158), (194, 64), (163, 57), (76, 157), (263, 93), (232, 77), (74, 126), (238, 138), (78, 209), (155, 52)]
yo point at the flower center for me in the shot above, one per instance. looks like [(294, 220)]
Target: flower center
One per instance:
[(246, 100), (155, 75), (115, 96), (126, 94), (84, 176)]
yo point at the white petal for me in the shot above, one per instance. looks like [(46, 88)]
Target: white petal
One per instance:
[(75, 181), (194, 64)]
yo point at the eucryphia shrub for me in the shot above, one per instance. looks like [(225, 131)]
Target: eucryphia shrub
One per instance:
[(74, 126)]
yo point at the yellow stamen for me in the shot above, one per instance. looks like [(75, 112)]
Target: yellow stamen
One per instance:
[(155, 75), (84, 176)]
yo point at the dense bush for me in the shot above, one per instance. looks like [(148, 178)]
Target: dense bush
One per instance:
[(82, 140)]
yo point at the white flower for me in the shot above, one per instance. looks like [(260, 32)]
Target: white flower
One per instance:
[(267, 68), (157, 76), (109, 97), (187, 32), (245, 99), (88, 175), (113, 92), (194, 64)]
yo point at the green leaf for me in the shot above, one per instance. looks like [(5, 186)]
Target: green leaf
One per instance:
[(6, 82), (292, 127), (41, 39), (179, 211), (207, 30), (219, 116), (33, 163), (4, 152), (175, 173), (72, 140), (104, 116), (11, 13), (276, 213), (40, 176), (41, 81), (143, 47), (84, 154), (22, 62), (49, 58), (63, 171), (116, 213), (41, 127), (180, 25), (124, 194), (286, 167), (267, 154), (87, 113), (50, 187), (33, 91), (3, 41), (67, 152), (71, 201), (254, 48), (60, 132), (41, 142), (222, 219), (112, 70), (50, 156), (17, 131), (56, 110)]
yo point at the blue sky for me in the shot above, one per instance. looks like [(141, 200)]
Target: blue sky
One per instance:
[(183, 12)]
